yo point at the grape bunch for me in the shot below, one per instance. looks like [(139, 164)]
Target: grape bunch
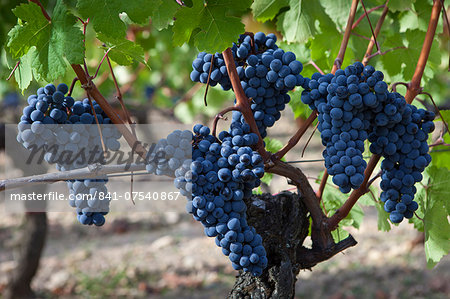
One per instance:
[(59, 125), (355, 105), (170, 153), (266, 72), (405, 150), (220, 175)]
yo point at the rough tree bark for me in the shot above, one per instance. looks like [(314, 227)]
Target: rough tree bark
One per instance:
[(32, 243), (34, 233), (283, 223)]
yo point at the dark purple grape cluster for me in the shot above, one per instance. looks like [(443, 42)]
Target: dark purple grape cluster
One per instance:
[(220, 175), (59, 124), (266, 72), (405, 150), (355, 105)]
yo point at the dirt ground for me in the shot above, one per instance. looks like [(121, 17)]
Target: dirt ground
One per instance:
[(161, 252)]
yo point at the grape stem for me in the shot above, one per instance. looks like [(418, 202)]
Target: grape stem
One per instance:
[(119, 96), (106, 107), (13, 70), (384, 52), (374, 36), (316, 67), (413, 90), (220, 115), (366, 13), (296, 138), (394, 85), (101, 62), (309, 139), (368, 55), (72, 85), (323, 182), (209, 79), (348, 29), (242, 102)]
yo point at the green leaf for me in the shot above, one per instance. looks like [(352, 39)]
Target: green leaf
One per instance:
[(408, 20), (187, 112), (337, 10), (440, 154), (446, 116), (339, 234), (297, 106), (215, 29), (400, 5), (53, 40), (333, 199), (164, 14), (436, 215), (264, 10), (273, 145), (23, 73), (123, 51), (104, 14), (406, 59), (267, 178), (383, 222), (297, 24)]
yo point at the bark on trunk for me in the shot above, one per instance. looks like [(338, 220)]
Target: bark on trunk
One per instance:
[(33, 240), (283, 224)]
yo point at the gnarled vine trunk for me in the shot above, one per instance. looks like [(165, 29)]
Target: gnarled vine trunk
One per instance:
[(283, 223), (32, 243)]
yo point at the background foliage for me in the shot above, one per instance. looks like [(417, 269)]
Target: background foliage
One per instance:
[(152, 44)]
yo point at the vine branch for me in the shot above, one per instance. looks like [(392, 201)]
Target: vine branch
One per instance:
[(348, 29), (242, 102)]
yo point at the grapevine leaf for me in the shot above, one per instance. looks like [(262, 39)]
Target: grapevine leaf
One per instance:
[(123, 51), (189, 111), (264, 10), (333, 199), (408, 20), (383, 222), (412, 41), (337, 10), (273, 145), (436, 212), (440, 154), (446, 116), (23, 73), (104, 14), (53, 40), (400, 5), (296, 24), (415, 40), (267, 178), (163, 15), (297, 106), (209, 24), (339, 234)]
